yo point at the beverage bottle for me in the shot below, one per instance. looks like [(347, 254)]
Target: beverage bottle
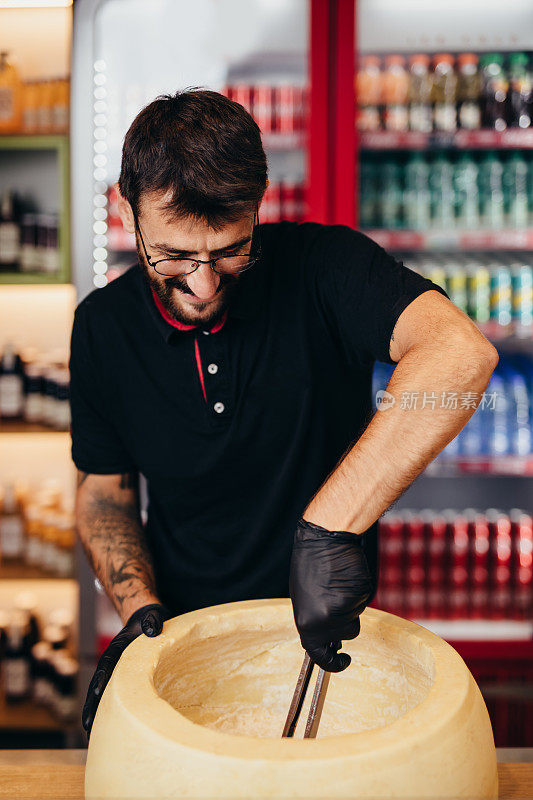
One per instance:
[(368, 207), (495, 87), (465, 182), (9, 234), (500, 441), (395, 94), (417, 198), (522, 294), (368, 93), (11, 527), (29, 107), (529, 161), (391, 196), (442, 193), (478, 292), (11, 384), (17, 681), (421, 82), (10, 96), (491, 190), (514, 180), (520, 97), (468, 92), (444, 93)]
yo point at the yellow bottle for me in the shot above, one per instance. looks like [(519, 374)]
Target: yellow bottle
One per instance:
[(10, 96)]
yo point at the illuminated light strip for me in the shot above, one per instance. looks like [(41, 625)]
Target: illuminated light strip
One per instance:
[(100, 175), (35, 3)]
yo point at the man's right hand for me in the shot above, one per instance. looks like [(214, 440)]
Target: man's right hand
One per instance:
[(148, 620)]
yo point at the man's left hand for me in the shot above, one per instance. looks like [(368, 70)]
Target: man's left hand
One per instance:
[(330, 584)]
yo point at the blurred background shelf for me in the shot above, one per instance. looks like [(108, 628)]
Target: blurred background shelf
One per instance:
[(417, 241), (460, 140)]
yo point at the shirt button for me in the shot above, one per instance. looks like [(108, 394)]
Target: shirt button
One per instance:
[(212, 368), (219, 407)]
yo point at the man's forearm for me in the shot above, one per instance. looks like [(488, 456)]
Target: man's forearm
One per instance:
[(400, 442), (109, 525)]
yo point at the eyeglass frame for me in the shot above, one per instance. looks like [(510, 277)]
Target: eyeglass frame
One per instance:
[(198, 261)]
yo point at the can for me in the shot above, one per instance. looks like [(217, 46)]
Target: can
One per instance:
[(522, 564), (415, 599), (263, 108), (500, 564), (243, 93), (457, 535), (436, 564), (289, 199), (286, 101), (479, 565), (500, 295), (392, 563)]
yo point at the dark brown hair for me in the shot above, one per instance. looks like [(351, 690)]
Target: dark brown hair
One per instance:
[(201, 146)]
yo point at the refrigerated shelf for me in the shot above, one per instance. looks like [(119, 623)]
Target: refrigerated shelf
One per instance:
[(463, 240), (512, 138)]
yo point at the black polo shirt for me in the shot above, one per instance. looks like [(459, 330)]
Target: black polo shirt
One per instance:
[(288, 386)]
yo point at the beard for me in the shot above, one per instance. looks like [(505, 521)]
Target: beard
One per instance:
[(164, 289)]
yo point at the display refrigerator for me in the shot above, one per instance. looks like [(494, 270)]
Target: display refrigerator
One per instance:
[(352, 139)]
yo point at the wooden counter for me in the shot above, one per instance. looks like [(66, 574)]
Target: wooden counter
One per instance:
[(58, 775)]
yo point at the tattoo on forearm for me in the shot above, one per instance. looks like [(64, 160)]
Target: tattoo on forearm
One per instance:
[(114, 540)]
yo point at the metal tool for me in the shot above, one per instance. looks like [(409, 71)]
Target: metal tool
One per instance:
[(317, 701)]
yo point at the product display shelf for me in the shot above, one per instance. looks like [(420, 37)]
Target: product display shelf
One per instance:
[(510, 139), (27, 716), (13, 571), (46, 143), (457, 240), (19, 426)]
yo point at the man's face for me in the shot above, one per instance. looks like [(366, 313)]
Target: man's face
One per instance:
[(201, 297)]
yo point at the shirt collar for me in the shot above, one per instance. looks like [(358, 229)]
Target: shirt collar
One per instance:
[(245, 303)]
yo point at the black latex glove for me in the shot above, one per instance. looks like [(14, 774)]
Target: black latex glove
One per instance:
[(330, 583), (149, 620)]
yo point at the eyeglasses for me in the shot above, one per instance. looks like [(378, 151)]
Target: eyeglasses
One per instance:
[(230, 264)]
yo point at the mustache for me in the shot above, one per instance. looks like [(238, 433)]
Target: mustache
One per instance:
[(179, 283)]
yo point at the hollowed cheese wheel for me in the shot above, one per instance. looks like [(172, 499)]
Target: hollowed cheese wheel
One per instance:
[(198, 712)]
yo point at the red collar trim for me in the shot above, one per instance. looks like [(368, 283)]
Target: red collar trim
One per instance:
[(181, 326)]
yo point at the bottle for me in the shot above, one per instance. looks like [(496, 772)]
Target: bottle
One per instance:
[(444, 93), (442, 194), (520, 97), (369, 193), (417, 196), (522, 294), (65, 700), (44, 106), (491, 191), (12, 544), (17, 679), (391, 196), (28, 243), (10, 96), (11, 384), (368, 94), (514, 180), (465, 181), (40, 672), (420, 88), (468, 92), (29, 107), (27, 602), (9, 234), (495, 87), (395, 94)]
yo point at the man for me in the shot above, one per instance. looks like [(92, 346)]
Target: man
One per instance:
[(232, 368)]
